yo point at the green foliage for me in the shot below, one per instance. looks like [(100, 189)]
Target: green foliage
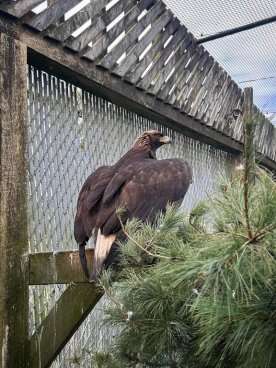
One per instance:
[(189, 295)]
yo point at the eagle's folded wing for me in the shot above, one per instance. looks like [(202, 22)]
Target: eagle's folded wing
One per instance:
[(148, 189)]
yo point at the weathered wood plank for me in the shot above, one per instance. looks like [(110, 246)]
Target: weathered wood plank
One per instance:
[(64, 30), (196, 84), (175, 61), (191, 79), (19, 8), (225, 114), (137, 71), (80, 42), (178, 75), (110, 59), (218, 117), (210, 93), (51, 14), (61, 323), (141, 45), (215, 99), (57, 268), (132, 10), (180, 38), (191, 57), (13, 204), (195, 55), (208, 83)]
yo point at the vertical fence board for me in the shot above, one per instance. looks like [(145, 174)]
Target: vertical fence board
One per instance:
[(13, 224)]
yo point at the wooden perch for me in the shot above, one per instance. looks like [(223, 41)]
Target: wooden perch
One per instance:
[(57, 268)]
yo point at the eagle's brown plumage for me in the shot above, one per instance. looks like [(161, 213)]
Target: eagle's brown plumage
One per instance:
[(138, 183)]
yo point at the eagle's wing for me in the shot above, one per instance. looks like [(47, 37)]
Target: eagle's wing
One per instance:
[(143, 189), (147, 189), (89, 196), (87, 208)]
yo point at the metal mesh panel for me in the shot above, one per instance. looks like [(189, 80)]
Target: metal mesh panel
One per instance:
[(71, 132), (249, 57)]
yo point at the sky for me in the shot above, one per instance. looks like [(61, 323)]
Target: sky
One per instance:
[(248, 57)]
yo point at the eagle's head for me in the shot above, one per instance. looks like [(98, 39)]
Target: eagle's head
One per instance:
[(152, 139)]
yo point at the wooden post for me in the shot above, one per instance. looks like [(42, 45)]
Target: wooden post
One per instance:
[(13, 213)]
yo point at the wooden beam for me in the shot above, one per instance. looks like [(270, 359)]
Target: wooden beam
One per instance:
[(61, 323), (57, 268), (13, 208)]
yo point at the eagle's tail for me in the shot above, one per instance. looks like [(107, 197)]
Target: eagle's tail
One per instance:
[(102, 249)]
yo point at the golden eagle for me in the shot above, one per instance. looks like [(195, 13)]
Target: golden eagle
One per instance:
[(138, 183)]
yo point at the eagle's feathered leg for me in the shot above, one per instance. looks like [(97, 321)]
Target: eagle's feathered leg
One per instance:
[(83, 259), (102, 248)]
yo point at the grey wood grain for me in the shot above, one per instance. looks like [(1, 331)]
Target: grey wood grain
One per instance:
[(195, 59), (194, 98), (137, 71), (131, 37), (179, 38), (51, 14), (64, 30), (19, 8), (194, 77), (141, 45), (132, 11)]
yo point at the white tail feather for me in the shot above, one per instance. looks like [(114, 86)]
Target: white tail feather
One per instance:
[(102, 249)]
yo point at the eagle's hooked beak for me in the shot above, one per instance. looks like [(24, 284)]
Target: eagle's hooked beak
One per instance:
[(165, 140)]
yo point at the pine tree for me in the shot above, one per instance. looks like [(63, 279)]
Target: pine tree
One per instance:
[(193, 295)]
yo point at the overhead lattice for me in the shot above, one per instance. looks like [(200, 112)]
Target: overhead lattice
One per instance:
[(144, 44)]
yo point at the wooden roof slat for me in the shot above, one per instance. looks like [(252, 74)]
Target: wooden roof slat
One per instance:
[(178, 38), (19, 8), (191, 80), (64, 30), (98, 26), (176, 61), (180, 83), (135, 52), (176, 78), (220, 96), (111, 58), (225, 114), (136, 72), (132, 10), (205, 89), (51, 14), (80, 42), (196, 84), (209, 93), (195, 55), (195, 73), (214, 98), (219, 118)]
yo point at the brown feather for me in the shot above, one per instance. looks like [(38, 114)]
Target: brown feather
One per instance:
[(139, 183)]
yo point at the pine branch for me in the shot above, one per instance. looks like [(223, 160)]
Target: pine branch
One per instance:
[(139, 245)]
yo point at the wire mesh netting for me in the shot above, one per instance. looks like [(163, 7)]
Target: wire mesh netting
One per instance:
[(250, 56), (70, 133)]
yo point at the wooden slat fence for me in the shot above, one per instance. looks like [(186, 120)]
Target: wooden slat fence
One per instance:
[(142, 43)]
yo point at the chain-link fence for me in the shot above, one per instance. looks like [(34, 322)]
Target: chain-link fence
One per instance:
[(70, 133)]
